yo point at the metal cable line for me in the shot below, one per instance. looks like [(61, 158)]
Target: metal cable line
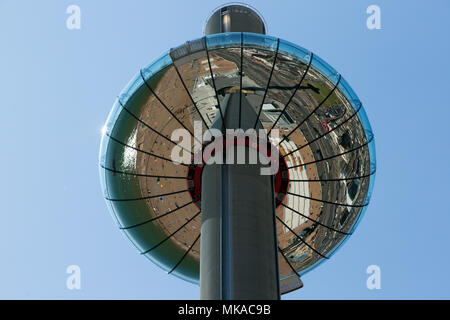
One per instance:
[(214, 86), (142, 175), (329, 202), (190, 97), (140, 150), (326, 133), (156, 218), (268, 83), (292, 96), (149, 197), (152, 129), (172, 234), (240, 78), (333, 156), (303, 241), (340, 179), (165, 107), (185, 254), (288, 262), (311, 219), (309, 115)]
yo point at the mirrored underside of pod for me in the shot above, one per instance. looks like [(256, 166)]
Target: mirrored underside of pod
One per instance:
[(324, 138)]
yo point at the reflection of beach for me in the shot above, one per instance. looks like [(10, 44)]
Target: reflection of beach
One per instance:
[(309, 189), (170, 90)]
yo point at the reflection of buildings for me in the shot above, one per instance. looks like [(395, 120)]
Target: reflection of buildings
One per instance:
[(270, 114), (323, 139)]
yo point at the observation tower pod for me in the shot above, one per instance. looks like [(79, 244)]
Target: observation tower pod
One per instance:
[(238, 160)]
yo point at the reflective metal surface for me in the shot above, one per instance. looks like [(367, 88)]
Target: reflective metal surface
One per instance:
[(235, 17), (325, 139)]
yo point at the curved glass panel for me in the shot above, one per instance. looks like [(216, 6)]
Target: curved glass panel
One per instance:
[(294, 52), (159, 64), (259, 41), (224, 40)]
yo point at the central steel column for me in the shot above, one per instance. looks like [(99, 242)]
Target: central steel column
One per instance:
[(238, 249)]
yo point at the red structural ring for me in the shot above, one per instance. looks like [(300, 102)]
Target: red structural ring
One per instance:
[(195, 171)]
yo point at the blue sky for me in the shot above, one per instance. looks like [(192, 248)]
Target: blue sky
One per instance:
[(58, 85)]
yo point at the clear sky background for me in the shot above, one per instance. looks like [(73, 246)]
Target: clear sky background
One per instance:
[(58, 85)]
